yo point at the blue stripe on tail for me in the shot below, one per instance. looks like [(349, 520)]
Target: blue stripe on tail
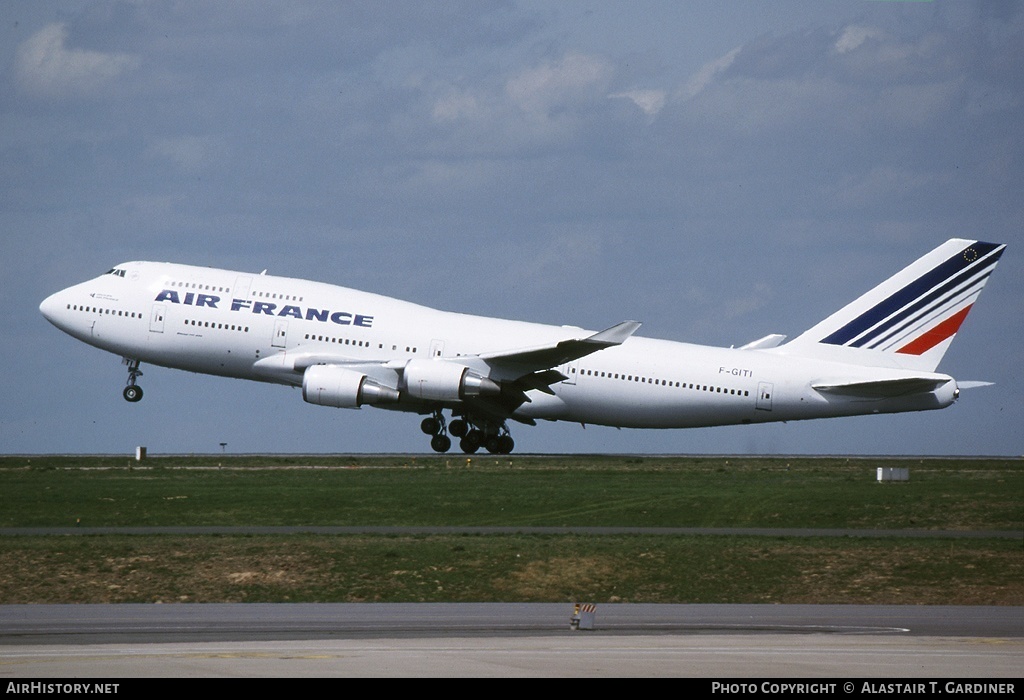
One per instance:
[(953, 271)]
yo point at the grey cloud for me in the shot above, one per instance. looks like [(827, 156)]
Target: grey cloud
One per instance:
[(47, 66)]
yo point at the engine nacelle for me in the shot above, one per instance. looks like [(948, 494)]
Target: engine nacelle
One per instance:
[(439, 380), (330, 385)]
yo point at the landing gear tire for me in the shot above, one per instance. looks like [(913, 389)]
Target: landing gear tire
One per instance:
[(471, 443), (506, 444), (430, 426), (459, 428), (441, 443), (132, 392), (500, 444)]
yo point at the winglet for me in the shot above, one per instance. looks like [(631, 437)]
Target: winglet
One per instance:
[(769, 341), (616, 335)]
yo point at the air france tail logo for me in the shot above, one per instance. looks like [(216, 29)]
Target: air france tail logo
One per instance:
[(926, 311), (342, 318)]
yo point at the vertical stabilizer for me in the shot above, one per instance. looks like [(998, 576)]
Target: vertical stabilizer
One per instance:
[(910, 319)]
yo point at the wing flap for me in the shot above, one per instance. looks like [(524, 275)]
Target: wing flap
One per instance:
[(541, 381)]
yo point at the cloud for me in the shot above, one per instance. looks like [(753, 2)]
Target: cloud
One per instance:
[(884, 183), (859, 78), (454, 106), (650, 101), (546, 102), (855, 35), (46, 66), (706, 74), (190, 153), (541, 90)]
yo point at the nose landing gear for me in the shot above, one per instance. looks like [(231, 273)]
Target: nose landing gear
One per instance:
[(132, 393)]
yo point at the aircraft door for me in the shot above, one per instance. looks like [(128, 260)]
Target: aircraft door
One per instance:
[(437, 348), (570, 370), (280, 339), (242, 286), (764, 396), (156, 319)]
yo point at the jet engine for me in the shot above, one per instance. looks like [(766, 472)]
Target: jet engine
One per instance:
[(331, 385), (439, 380)]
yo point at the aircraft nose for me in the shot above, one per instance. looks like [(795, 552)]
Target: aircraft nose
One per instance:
[(50, 306)]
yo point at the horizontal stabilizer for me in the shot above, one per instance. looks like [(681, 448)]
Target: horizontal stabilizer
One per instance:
[(883, 388), (971, 384)]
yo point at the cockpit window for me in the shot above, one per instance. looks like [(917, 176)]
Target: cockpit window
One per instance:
[(115, 271)]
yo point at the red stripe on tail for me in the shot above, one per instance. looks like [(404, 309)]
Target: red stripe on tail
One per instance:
[(930, 339)]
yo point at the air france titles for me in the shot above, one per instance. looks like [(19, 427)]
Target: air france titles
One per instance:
[(342, 318)]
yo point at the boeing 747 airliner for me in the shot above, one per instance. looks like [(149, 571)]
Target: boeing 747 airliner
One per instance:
[(347, 349)]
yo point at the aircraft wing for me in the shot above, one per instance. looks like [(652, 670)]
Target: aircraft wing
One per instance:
[(529, 369), (883, 388), (289, 366), (521, 370), (547, 356)]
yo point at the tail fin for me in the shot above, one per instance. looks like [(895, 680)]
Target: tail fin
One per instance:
[(910, 319)]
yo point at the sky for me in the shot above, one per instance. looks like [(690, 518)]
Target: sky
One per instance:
[(717, 170)]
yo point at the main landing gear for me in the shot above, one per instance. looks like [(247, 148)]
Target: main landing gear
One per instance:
[(132, 393), (435, 426), (472, 435)]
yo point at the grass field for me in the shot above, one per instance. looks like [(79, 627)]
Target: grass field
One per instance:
[(943, 494)]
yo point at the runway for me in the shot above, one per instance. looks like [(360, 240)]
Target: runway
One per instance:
[(509, 640)]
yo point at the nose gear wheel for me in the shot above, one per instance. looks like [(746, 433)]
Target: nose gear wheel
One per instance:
[(132, 392)]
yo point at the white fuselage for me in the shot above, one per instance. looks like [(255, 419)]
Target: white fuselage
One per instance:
[(245, 325)]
